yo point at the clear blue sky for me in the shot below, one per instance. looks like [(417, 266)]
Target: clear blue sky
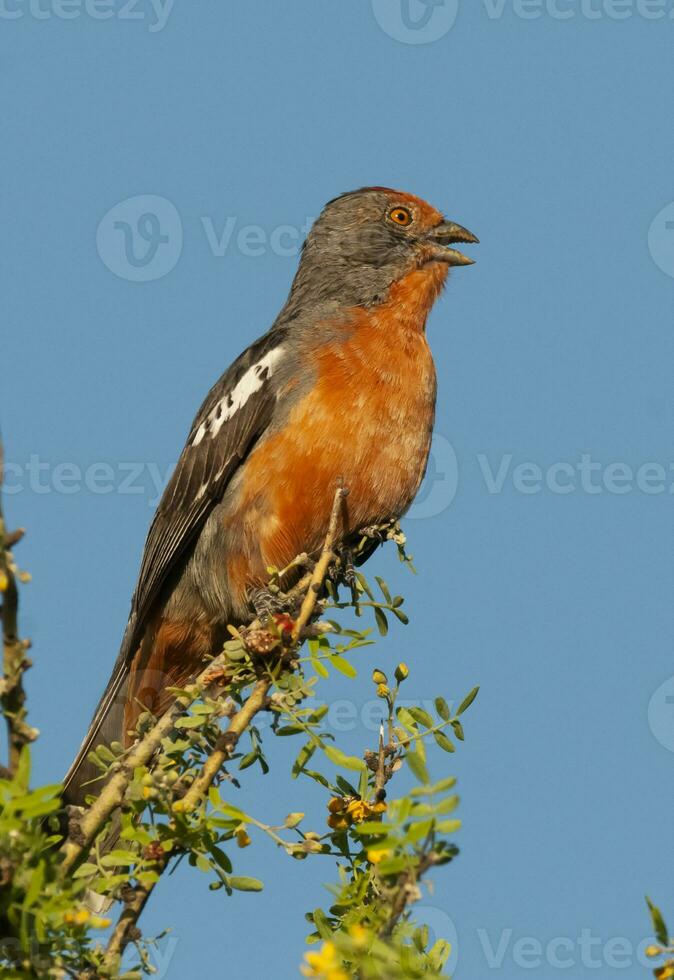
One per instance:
[(549, 137)]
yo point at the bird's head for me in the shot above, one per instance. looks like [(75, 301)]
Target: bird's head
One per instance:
[(365, 240)]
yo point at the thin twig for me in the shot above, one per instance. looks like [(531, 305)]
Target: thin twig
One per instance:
[(126, 929), (14, 660), (322, 565)]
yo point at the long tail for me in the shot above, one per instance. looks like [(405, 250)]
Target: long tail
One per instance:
[(107, 725)]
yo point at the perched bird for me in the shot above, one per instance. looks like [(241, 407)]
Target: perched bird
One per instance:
[(341, 388)]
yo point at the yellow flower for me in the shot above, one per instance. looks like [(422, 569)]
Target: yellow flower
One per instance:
[(379, 677), (242, 838), (339, 821), (4, 582), (360, 810), (653, 950), (359, 934), (665, 972), (374, 857), (325, 964), (402, 672), (99, 923), (77, 918)]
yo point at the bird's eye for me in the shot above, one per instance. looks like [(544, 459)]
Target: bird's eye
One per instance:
[(401, 216)]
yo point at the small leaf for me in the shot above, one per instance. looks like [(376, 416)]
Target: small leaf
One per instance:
[(340, 758), (243, 884), (421, 716), (444, 742), (442, 708), (418, 766), (468, 700), (343, 666), (384, 588), (292, 820), (382, 621), (659, 927)]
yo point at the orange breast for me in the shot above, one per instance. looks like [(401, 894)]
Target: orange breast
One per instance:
[(365, 424)]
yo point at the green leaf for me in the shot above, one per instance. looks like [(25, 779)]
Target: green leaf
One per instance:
[(418, 766), (391, 866), (372, 827), (189, 722), (340, 758), (35, 886), (220, 858), (85, 870), (319, 667), (118, 856), (458, 729), (444, 742), (382, 621), (248, 760), (468, 700), (384, 588), (322, 925), (343, 666), (303, 757), (442, 708), (401, 616), (421, 716), (345, 786), (659, 927), (448, 826), (232, 811)]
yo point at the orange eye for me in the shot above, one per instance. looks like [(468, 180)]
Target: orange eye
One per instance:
[(401, 216)]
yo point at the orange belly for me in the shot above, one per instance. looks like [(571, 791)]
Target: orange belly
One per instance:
[(365, 424)]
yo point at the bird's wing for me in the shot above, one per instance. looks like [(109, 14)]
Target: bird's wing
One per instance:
[(234, 415)]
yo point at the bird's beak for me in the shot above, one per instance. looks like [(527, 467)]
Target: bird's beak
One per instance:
[(446, 234)]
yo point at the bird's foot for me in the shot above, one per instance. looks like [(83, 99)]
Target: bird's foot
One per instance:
[(266, 602), (344, 570)]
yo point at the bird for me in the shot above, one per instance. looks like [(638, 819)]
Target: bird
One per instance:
[(340, 390)]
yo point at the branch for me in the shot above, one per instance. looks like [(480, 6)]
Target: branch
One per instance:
[(15, 662), (126, 929)]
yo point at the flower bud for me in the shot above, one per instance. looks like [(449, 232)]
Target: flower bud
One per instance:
[(379, 677), (402, 673)]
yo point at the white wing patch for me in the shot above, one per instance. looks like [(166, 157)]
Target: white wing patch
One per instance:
[(247, 385)]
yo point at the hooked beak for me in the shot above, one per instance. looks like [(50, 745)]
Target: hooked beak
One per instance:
[(443, 235)]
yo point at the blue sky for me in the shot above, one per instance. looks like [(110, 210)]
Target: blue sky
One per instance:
[(543, 537)]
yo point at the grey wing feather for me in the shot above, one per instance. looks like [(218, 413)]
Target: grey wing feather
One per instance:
[(199, 480)]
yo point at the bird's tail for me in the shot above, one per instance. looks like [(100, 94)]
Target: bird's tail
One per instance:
[(107, 725)]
